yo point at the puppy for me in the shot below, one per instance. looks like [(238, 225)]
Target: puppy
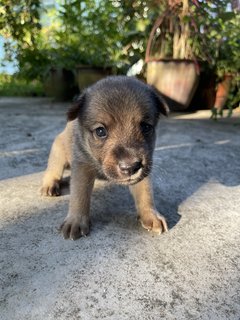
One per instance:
[(110, 134)]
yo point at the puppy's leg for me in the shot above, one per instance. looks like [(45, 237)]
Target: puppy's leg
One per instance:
[(76, 223), (149, 217), (56, 164)]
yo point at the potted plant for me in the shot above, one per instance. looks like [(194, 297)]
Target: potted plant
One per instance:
[(90, 29), (73, 50), (225, 38), (171, 53)]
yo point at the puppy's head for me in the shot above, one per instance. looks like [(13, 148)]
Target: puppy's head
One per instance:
[(117, 117)]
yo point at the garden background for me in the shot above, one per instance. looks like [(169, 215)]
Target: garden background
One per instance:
[(48, 45)]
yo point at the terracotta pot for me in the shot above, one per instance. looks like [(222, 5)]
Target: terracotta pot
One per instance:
[(222, 91), (87, 75), (177, 80)]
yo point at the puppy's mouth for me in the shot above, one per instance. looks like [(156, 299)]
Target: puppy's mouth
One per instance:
[(130, 180), (127, 182)]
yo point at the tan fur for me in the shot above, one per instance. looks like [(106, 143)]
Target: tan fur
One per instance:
[(59, 159), (124, 156), (148, 215)]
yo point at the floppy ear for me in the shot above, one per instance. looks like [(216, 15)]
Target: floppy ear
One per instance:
[(160, 102), (74, 110)]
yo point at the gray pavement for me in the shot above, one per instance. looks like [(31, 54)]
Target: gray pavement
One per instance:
[(121, 271)]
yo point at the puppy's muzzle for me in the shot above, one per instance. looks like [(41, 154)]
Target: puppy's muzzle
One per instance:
[(129, 167), (126, 165)]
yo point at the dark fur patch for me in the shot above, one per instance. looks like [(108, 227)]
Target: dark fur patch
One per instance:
[(159, 101), (74, 110)]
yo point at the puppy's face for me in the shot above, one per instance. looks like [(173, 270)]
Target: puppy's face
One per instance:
[(117, 118)]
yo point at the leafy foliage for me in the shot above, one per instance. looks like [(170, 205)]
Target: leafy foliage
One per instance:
[(222, 34), (19, 21), (102, 33), (98, 33), (11, 85)]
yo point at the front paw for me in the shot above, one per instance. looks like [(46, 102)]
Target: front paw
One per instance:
[(50, 188), (153, 221), (74, 227)]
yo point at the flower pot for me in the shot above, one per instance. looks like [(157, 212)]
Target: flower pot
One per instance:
[(60, 84), (87, 75), (175, 76), (222, 91), (177, 80)]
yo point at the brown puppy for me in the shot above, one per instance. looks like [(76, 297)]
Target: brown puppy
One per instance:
[(111, 135)]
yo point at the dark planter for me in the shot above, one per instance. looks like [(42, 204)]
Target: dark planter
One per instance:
[(205, 94), (60, 84), (87, 75), (177, 80)]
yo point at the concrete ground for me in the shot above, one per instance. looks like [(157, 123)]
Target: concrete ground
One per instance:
[(121, 271)]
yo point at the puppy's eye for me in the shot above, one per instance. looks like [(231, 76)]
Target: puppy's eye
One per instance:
[(101, 132), (146, 128)]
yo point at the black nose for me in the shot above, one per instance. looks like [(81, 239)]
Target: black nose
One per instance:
[(129, 168)]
